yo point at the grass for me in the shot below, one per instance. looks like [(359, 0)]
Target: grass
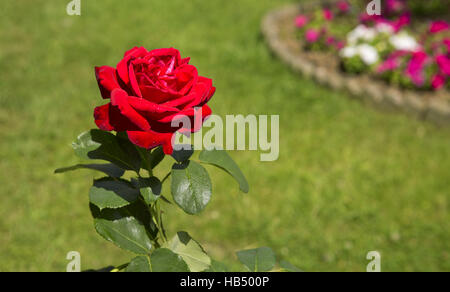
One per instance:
[(349, 180)]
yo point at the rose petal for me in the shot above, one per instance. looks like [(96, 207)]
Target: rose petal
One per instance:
[(151, 111), (152, 139), (101, 116), (158, 95), (209, 89), (133, 81), (108, 118), (119, 98), (197, 120), (161, 53), (186, 77), (185, 61), (122, 66), (107, 80)]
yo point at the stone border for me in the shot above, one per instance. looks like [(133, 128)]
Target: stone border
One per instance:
[(425, 106)]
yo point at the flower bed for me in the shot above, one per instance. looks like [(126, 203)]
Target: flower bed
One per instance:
[(384, 60)]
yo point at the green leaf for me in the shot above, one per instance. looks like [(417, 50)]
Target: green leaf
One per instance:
[(131, 154), (288, 267), (121, 228), (156, 156), (110, 169), (85, 144), (97, 144), (112, 193), (183, 154), (221, 159), (155, 186), (257, 260), (150, 189), (102, 270), (151, 158), (164, 260), (161, 260), (139, 264), (217, 267), (191, 187), (191, 252)]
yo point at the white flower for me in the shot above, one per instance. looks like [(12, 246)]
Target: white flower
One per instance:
[(404, 41), (348, 52), (361, 32), (356, 34), (370, 34), (384, 28), (369, 55)]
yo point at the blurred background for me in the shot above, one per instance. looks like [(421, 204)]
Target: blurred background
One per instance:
[(349, 180)]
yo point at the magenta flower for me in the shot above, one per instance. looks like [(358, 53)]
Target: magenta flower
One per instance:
[(438, 81), (394, 6), (388, 65), (312, 35), (392, 62), (447, 43), (343, 6), (403, 20), (327, 14), (330, 40), (400, 53), (415, 68), (339, 45), (444, 64), (366, 18), (301, 21), (438, 26)]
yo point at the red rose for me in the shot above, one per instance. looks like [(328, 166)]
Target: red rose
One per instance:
[(148, 90)]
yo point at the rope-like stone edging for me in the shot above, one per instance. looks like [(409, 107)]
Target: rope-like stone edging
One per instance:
[(431, 107)]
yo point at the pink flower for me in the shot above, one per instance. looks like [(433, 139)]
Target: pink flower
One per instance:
[(312, 35), (438, 81), (301, 21), (397, 25), (415, 67), (330, 40), (327, 14), (366, 18), (394, 6), (392, 62), (402, 21), (339, 45), (343, 6), (444, 64), (388, 65), (399, 53), (438, 26), (447, 43)]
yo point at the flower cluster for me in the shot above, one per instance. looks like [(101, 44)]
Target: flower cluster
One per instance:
[(317, 29), (384, 44), (420, 68)]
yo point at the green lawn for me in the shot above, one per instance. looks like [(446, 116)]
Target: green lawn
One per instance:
[(349, 180)]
